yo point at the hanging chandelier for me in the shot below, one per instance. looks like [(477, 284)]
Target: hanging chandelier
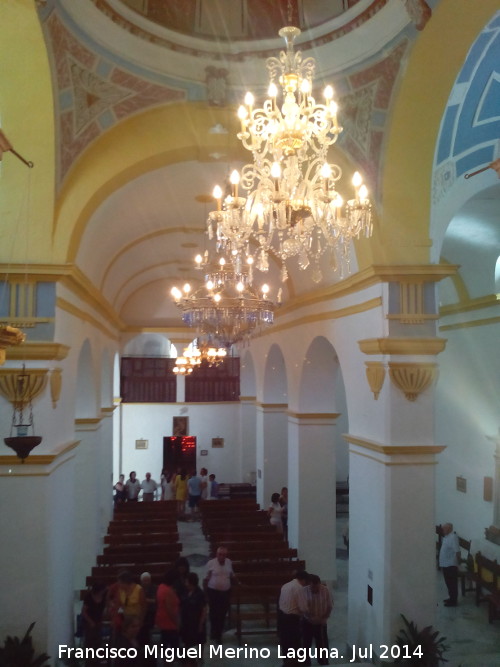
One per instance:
[(227, 309), (290, 204), (201, 353)]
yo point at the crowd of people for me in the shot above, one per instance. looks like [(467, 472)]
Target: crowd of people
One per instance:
[(185, 489), (126, 614)]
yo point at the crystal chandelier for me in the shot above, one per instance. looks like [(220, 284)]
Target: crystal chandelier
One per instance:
[(201, 353), (290, 205), (227, 309)]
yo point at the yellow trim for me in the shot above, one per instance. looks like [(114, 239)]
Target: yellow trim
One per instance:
[(38, 352), (474, 323), (410, 346), (393, 450), (80, 285), (82, 315), (110, 409), (148, 237), (489, 301), (38, 459), (272, 406), (248, 398), (88, 421), (314, 415), (368, 277), (394, 463)]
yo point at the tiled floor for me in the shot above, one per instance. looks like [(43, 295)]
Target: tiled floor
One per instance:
[(472, 641)]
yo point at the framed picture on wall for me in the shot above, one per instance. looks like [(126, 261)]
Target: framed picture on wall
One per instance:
[(217, 442), (141, 444), (180, 426)]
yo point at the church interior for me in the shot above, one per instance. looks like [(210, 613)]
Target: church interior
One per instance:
[(373, 365)]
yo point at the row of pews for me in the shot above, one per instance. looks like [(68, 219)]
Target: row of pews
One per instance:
[(262, 561), (141, 537)]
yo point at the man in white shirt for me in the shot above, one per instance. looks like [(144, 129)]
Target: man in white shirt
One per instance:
[(218, 581), (148, 487), (449, 558), (289, 614), (132, 487)]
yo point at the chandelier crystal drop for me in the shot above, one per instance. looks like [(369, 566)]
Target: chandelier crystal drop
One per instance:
[(227, 308), (290, 205)]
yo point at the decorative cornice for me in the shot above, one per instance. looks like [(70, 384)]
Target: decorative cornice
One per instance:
[(88, 421), (39, 352), (372, 275), (37, 459), (393, 450), (409, 346)]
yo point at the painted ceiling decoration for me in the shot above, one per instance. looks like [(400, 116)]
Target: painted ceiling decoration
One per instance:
[(268, 8), (93, 93), (470, 130), (95, 90)]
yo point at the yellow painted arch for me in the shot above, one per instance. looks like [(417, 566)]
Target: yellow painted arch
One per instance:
[(435, 61)]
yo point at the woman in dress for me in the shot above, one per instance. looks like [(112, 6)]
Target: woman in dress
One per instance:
[(181, 493), (275, 512), (165, 483)]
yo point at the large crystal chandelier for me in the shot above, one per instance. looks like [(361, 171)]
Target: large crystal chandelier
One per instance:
[(227, 308), (290, 205)]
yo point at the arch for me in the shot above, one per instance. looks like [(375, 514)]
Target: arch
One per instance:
[(317, 381), (87, 389), (248, 381), (404, 235), (275, 387), (147, 345)]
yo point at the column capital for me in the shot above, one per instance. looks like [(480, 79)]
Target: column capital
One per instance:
[(403, 345), (394, 454)]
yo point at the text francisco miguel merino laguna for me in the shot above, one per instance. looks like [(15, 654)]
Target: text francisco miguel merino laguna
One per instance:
[(169, 654)]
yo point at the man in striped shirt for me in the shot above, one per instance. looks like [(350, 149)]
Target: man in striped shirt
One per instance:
[(315, 604)]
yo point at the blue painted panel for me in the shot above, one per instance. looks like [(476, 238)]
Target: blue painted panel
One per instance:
[(490, 105), (4, 299), (45, 299), (446, 135), (473, 56), (478, 158)]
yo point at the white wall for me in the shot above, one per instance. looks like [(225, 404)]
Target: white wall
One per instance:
[(153, 422)]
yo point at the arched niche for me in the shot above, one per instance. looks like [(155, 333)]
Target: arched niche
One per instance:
[(275, 389), (87, 387)]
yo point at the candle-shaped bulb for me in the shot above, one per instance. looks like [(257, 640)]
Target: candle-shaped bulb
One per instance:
[(275, 170), (265, 289), (272, 91), (249, 99), (356, 179), (328, 93)]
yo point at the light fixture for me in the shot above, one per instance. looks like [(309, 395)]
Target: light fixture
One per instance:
[(287, 199), (202, 352), (227, 309), (20, 388)]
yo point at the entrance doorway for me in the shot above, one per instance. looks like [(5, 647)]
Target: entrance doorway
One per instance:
[(179, 452)]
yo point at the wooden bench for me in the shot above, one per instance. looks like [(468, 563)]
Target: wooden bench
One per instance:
[(139, 548), (466, 566), (262, 555), (487, 578), (255, 610), (140, 538), (273, 565), (122, 557)]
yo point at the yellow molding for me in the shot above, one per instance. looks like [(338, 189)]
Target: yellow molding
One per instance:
[(410, 346), (314, 415), (109, 409), (489, 301), (393, 450), (373, 275), (272, 406), (321, 317), (39, 352), (86, 317), (166, 330), (88, 421), (82, 287), (248, 398), (39, 459), (394, 463), (473, 323)]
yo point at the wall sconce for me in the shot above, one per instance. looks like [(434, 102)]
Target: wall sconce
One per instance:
[(20, 388)]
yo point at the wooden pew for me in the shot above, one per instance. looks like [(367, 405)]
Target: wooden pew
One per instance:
[(144, 538), (487, 578), (255, 610), (122, 557)]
